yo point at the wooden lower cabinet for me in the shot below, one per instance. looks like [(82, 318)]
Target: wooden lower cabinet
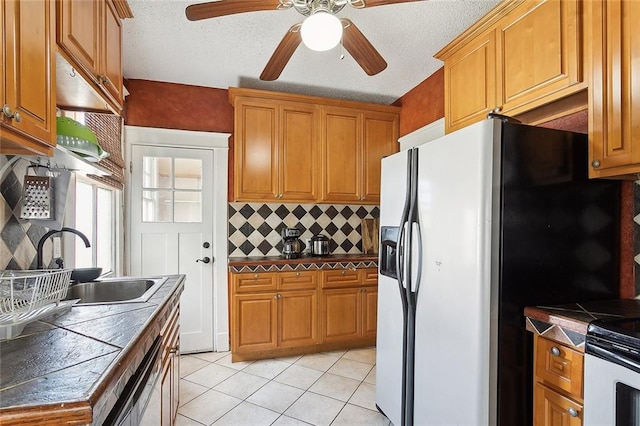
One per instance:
[(553, 409), (286, 313), (170, 378), (558, 379), (349, 314)]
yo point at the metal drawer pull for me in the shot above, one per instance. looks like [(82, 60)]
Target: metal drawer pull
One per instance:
[(573, 412), (175, 349), (555, 351)]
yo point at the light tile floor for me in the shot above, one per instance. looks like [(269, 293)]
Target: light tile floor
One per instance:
[(330, 388)]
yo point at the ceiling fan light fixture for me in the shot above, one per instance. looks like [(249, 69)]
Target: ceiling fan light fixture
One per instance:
[(321, 31)]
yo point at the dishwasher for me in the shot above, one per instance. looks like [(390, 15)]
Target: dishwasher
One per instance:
[(612, 373), (140, 392)]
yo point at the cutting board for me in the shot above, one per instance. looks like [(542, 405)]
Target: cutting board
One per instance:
[(370, 238)]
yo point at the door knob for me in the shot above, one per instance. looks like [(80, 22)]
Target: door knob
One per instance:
[(205, 259)]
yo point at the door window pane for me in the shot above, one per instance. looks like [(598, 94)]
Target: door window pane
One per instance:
[(187, 206), (188, 173), (182, 199), (156, 206), (156, 172)]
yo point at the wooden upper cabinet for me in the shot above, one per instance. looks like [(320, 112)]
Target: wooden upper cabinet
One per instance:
[(79, 33), (380, 139), (470, 89), (112, 80), (275, 151), (614, 92), (298, 152), (540, 54), (256, 151), (306, 149), (90, 40), (520, 56), (27, 91), (341, 155)]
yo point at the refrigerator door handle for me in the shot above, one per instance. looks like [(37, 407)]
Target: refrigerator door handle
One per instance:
[(415, 283), (401, 259)]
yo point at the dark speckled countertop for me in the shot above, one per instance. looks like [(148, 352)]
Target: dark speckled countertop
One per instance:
[(79, 361), (568, 323)]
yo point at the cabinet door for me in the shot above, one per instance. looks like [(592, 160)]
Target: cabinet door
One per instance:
[(553, 409), (79, 32), (370, 312), (256, 150), (539, 56), (166, 388), (254, 322), (341, 155), (28, 54), (297, 318), (614, 90), (380, 139), (470, 83), (341, 315), (111, 65), (298, 154)]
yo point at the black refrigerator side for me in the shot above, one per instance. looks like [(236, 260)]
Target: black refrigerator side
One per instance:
[(558, 244)]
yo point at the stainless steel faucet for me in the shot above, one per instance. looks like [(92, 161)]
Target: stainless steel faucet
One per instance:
[(52, 232)]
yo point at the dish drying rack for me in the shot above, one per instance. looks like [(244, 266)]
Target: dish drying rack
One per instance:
[(26, 296)]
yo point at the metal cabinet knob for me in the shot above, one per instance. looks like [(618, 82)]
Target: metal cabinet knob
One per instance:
[(175, 349), (255, 276), (595, 163), (572, 412), (6, 110), (297, 274), (17, 117), (555, 351)]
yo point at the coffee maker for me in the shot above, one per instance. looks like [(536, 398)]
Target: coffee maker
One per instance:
[(292, 247)]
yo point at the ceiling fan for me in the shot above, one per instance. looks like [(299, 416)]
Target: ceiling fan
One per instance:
[(321, 30)]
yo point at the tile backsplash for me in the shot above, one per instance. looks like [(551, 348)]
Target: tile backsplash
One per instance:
[(18, 237), (254, 228)]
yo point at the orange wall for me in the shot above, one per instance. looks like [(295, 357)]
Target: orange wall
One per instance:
[(423, 104), (177, 106)]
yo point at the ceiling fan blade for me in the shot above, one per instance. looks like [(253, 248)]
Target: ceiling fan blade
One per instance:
[(282, 54), (214, 9), (372, 3), (361, 49)]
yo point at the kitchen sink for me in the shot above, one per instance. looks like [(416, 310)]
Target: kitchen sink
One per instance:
[(115, 290)]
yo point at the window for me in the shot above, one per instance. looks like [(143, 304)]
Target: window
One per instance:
[(96, 218), (172, 190)]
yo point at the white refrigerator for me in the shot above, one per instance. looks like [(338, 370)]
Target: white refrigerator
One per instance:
[(474, 226)]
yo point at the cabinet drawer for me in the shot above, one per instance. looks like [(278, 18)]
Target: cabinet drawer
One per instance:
[(297, 280), (552, 408), (370, 276), (559, 366), (341, 278), (252, 282)]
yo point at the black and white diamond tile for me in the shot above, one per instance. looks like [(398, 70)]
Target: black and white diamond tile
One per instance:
[(254, 228), (18, 238)]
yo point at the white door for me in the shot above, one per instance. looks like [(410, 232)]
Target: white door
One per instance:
[(172, 230)]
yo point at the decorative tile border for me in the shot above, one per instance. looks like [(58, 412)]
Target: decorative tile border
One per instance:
[(557, 333), (302, 267)]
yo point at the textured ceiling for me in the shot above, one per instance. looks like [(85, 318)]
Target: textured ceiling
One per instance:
[(160, 44)]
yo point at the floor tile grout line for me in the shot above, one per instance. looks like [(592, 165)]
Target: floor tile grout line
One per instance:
[(269, 380)]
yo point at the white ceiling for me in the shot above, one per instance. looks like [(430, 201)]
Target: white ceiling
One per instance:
[(160, 44)]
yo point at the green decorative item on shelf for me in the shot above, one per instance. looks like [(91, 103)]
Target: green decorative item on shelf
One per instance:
[(79, 139)]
